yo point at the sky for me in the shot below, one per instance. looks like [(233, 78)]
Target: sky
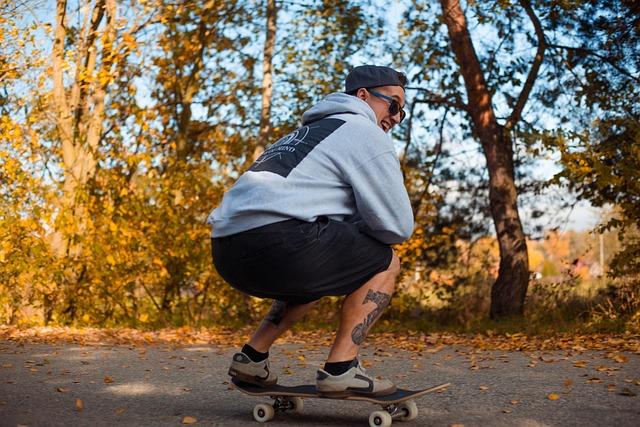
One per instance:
[(581, 217)]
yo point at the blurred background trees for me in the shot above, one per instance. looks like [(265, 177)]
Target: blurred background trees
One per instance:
[(123, 122)]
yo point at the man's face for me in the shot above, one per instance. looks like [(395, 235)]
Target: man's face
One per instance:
[(386, 121)]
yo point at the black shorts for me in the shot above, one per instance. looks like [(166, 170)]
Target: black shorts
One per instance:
[(299, 262)]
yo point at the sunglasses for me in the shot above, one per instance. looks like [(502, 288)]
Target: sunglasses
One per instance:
[(394, 106)]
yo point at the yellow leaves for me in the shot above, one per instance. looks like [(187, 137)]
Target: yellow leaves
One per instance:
[(189, 420), (553, 396), (620, 358), (79, 405), (111, 260), (108, 379)]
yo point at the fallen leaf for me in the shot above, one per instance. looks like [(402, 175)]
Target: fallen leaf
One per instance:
[(580, 364), (62, 390), (507, 411), (603, 368), (515, 402), (189, 420), (568, 383), (120, 411), (627, 392), (79, 405), (620, 358), (553, 396), (483, 387), (7, 365), (108, 379), (611, 387)]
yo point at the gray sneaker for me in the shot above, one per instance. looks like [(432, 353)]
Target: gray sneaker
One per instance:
[(246, 370), (354, 381)]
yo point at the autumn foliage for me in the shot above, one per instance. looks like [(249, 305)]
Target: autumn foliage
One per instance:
[(123, 122)]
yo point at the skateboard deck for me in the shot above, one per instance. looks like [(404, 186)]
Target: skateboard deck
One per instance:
[(399, 404)]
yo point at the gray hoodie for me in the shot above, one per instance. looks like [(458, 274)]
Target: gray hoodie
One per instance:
[(339, 164)]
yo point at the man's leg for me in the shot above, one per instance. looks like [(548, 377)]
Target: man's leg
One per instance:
[(251, 364), (279, 319), (360, 310)]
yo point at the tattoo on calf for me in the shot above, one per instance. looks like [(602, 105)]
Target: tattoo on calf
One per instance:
[(382, 301), (276, 313)]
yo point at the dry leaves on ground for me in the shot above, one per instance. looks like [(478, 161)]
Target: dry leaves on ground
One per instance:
[(410, 341)]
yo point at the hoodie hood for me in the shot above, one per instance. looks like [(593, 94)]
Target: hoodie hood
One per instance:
[(338, 103)]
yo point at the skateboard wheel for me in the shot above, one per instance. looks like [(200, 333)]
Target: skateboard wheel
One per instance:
[(380, 419), (297, 403), (409, 409), (263, 412)]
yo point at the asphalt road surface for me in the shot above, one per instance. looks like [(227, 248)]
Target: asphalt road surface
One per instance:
[(77, 385)]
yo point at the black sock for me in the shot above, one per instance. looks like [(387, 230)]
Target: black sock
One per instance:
[(254, 354), (338, 368)]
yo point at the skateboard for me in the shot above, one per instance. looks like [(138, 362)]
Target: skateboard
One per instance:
[(399, 405)]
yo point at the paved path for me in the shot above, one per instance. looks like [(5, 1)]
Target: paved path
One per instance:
[(40, 385)]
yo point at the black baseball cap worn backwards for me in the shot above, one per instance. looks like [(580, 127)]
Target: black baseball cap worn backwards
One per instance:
[(373, 76)]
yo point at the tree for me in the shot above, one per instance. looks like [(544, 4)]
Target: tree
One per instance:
[(511, 77), (267, 77)]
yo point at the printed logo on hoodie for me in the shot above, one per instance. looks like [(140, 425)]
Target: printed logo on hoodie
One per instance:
[(286, 153)]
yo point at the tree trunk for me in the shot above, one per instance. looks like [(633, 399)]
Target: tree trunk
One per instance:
[(510, 288), (267, 79), (79, 115)]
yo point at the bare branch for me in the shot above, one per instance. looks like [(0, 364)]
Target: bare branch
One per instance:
[(597, 55), (438, 151), (535, 67), (436, 99)]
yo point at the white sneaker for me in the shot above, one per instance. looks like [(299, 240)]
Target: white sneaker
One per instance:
[(353, 382)]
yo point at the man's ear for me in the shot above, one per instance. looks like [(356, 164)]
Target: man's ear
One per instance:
[(362, 94)]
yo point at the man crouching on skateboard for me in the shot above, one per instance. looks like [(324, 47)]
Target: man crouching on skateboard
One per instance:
[(314, 216)]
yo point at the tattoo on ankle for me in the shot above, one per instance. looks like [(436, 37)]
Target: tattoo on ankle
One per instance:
[(382, 301), (276, 313)]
